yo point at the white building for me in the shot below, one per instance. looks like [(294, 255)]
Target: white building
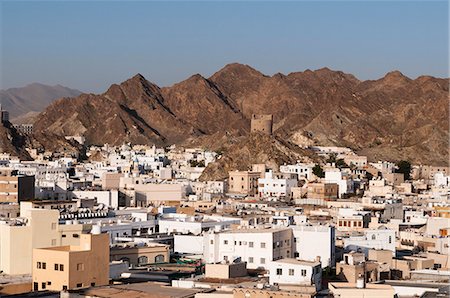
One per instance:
[(441, 180), (257, 247), (379, 187), (303, 170), (185, 224), (108, 198), (312, 241), (381, 238), (188, 244), (276, 185), (295, 272), (336, 176)]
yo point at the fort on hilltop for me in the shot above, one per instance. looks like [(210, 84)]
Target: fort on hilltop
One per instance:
[(261, 123)]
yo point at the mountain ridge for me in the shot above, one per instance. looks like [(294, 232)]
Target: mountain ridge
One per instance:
[(320, 107), (34, 97)]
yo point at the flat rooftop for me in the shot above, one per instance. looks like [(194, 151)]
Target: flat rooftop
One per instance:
[(352, 285), (143, 290), (298, 262)]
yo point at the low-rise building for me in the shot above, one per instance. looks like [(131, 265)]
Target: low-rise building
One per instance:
[(295, 272), (257, 247), (71, 267), (139, 254)]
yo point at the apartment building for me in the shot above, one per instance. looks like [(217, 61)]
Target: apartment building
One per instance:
[(322, 191), (276, 184), (14, 189), (20, 236), (295, 272), (381, 238), (71, 267), (324, 247), (257, 247), (243, 182), (303, 170)]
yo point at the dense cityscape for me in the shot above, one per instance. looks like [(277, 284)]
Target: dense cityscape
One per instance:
[(140, 220), (224, 149)]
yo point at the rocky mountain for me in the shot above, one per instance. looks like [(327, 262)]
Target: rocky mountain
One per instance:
[(393, 118), (32, 99), (12, 142), (255, 148)]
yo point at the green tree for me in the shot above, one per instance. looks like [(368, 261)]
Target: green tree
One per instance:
[(404, 167), (340, 163), (318, 171), (331, 158)]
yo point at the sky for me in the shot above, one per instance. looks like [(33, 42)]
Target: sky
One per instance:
[(89, 45)]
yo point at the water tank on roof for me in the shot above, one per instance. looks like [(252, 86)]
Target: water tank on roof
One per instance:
[(96, 230)]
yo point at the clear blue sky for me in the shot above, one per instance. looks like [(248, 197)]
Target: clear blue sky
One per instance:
[(90, 45)]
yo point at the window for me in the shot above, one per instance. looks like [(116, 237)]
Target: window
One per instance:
[(63, 235), (39, 265), (211, 242), (279, 271), (80, 267), (49, 283), (92, 284), (263, 245), (390, 239), (77, 236), (373, 237), (159, 259), (44, 285), (142, 260), (263, 260), (56, 267), (250, 244), (291, 271), (79, 285), (225, 242), (250, 259), (44, 265), (303, 272), (61, 267)]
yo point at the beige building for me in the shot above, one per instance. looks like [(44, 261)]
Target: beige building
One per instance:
[(263, 293), (243, 182), (36, 228), (71, 267), (111, 180), (395, 179), (157, 194), (19, 237), (138, 255), (427, 172), (14, 189), (225, 270), (349, 290), (323, 191)]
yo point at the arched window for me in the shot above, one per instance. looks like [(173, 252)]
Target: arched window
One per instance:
[(126, 260), (373, 237), (142, 260), (159, 259)]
